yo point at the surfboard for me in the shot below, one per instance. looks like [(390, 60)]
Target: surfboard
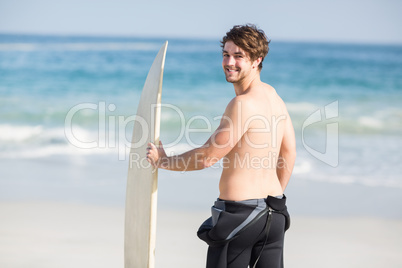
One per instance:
[(142, 178)]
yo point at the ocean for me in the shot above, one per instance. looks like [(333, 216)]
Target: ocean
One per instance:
[(66, 107)]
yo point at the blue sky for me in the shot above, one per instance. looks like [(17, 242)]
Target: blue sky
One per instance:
[(368, 21)]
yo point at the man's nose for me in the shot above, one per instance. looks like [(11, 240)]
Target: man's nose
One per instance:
[(229, 60)]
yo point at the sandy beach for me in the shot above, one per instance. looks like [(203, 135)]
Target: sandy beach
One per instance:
[(75, 235), (78, 219)]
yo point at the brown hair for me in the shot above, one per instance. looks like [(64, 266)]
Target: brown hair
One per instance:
[(249, 38)]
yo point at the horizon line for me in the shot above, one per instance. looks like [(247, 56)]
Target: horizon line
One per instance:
[(209, 38)]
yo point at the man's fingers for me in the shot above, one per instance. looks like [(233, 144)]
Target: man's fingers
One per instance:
[(152, 145), (153, 154)]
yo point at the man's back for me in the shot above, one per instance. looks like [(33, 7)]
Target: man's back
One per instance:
[(249, 169)]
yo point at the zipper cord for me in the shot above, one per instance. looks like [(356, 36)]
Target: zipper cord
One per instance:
[(267, 227)]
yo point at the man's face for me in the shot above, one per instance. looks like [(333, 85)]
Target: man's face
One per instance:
[(236, 63)]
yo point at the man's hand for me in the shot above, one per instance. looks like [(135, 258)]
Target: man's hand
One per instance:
[(155, 155)]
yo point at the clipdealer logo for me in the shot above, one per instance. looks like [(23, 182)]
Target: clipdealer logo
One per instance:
[(331, 154), (112, 129)]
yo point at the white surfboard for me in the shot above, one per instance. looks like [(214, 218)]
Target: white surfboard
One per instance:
[(142, 179)]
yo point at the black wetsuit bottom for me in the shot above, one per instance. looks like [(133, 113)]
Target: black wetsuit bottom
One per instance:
[(246, 233)]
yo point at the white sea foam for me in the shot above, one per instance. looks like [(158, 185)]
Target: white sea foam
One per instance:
[(51, 150), (351, 119), (389, 119), (302, 167), (370, 122), (22, 141), (35, 142), (9, 133)]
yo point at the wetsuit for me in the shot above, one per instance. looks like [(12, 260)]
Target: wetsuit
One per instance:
[(242, 233)]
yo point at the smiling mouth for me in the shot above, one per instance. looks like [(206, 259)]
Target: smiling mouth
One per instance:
[(231, 70)]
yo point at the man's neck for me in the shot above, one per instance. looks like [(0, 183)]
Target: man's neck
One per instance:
[(242, 86)]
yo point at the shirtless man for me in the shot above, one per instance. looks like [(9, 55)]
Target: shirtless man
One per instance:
[(255, 142)]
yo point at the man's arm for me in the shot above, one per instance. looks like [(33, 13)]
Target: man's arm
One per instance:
[(287, 154), (195, 159), (220, 143)]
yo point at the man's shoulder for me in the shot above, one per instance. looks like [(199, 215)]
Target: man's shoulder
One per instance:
[(273, 95), (243, 102)]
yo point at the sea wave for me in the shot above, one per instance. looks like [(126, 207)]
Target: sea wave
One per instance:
[(24, 141), (351, 119), (41, 142), (9, 133)]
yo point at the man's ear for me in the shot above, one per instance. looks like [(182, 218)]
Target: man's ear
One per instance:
[(257, 62)]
